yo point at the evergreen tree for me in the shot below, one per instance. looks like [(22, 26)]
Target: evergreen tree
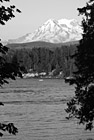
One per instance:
[(7, 70), (81, 106)]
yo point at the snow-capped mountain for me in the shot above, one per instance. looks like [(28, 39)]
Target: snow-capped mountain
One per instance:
[(54, 31)]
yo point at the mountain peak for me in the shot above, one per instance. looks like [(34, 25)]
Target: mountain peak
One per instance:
[(54, 31), (50, 20), (67, 22)]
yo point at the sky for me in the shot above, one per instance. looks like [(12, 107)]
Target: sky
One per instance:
[(36, 12)]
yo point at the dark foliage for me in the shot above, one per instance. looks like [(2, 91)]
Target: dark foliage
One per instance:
[(7, 70), (44, 59), (7, 13), (8, 127), (81, 105)]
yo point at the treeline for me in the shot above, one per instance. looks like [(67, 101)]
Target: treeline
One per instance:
[(44, 59)]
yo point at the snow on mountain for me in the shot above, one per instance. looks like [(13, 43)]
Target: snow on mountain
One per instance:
[(54, 31)]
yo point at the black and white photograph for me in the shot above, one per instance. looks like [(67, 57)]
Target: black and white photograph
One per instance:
[(46, 69)]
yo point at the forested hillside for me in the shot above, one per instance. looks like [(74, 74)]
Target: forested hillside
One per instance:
[(44, 59)]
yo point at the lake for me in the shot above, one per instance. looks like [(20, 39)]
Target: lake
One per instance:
[(36, 107)]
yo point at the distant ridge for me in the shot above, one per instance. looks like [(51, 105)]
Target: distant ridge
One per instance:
[(53, 31), (39, 44)]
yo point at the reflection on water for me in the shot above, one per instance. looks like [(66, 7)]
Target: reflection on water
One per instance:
[(37, 109)]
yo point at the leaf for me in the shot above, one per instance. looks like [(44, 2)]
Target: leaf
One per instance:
[(1, 104), (18, 10), (1, 134)]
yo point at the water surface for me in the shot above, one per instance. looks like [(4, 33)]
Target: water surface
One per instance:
[(37, 110)]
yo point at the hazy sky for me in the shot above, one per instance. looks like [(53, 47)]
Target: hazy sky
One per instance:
[(36, 12)]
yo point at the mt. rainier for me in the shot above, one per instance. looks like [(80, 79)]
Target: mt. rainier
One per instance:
[(54, 31)]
